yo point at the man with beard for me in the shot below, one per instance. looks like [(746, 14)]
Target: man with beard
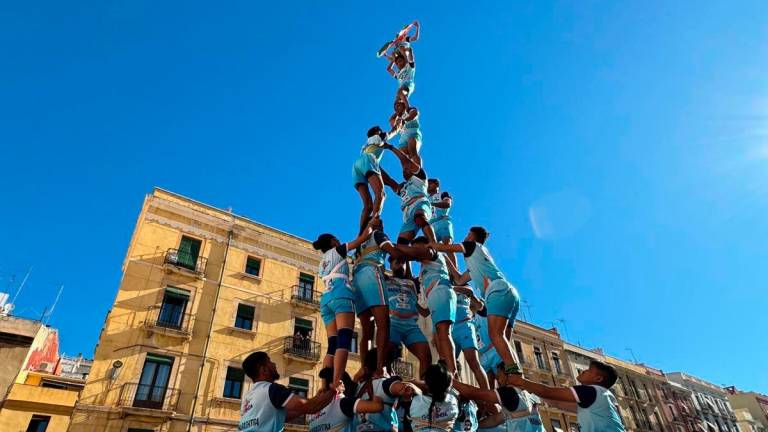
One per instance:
[(267, 405)]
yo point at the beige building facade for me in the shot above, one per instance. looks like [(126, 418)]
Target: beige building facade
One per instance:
[(544, 360), (201, 289), (640, 407)]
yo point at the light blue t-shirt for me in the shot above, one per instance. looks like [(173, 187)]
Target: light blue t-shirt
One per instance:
[(484, 342), (597, 409), (480, 264), (467, 419), (406, 74), (385, 420), (439, 213), (374, 147), (402, 298), (370, 254), (334, 269), (263, 408), (443, 416), (335, 417), (413, 189), (463, 311), (434, 273)]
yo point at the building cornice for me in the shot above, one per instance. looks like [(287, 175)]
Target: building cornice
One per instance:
[(246, 238)]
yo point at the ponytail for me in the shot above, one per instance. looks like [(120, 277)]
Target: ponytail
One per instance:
[(438, 382)]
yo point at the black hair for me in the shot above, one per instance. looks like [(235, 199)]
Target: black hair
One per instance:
[(350, 387), (481, 234), (374, 131), (438, 382), (435, 180), (607, 371), (420, 240), (253, 362), (323, 242)]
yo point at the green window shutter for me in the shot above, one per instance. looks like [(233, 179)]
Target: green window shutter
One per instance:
[(299, 383), (177, 292), (303, 323), (159, 359)]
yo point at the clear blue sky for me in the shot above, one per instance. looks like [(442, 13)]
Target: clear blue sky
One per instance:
[(617, 152)]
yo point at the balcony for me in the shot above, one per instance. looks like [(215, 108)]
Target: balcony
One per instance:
[(403, 369), (305, 297), (304, 350), (169, 321), (147, 400), (184, 263)]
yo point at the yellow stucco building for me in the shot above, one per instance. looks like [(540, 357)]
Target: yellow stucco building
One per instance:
[(544, 359), (201, 289)]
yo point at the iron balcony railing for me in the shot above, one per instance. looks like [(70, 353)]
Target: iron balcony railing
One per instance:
[(302, 348), (403, 369), (307, 295), (169, 317), (148, 396), (186, 260)]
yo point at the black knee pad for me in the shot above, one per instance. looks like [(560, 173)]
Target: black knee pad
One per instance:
[(345, 338), (332, 344)]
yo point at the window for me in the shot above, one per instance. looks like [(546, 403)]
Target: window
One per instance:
[(556, 362), (519, 350), (153, 383), (172, 310), (302, 334), (189, 251), (657, 420), (539, 358), (244, 317), (556, 426), (253, 266), (300, 386), (139, 430), (354, 348), (306, 285), (233, 383), (38, 423), (574, 427)]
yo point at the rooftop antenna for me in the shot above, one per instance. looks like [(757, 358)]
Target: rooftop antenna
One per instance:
[(23, 282), (634, 358), (50, 312), (565, 327), (528, 307)]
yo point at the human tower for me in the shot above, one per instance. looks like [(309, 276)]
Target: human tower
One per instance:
[(475, 321)]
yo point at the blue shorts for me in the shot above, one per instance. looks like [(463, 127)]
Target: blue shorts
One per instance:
[(502, 299), (464, 335), (410, 85), (443, 227), (365, 164), (405, 331), (407, 134), (369, 288), (409, 213), (337, 301), (442, 304), (490, 360)]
